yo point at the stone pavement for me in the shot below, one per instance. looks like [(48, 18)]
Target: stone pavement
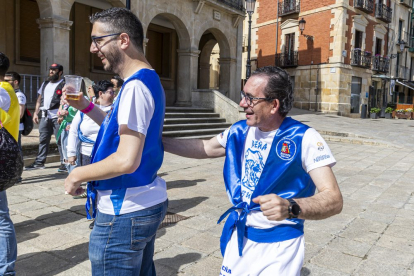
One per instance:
[(374, 234)]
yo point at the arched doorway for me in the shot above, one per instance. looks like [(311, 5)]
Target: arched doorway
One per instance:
[(214, 61), (166, 37)]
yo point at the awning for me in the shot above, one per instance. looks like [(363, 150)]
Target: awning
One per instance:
[(408, 84)]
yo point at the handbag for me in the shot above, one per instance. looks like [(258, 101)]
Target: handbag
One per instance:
[(27, 121), (11, 160)]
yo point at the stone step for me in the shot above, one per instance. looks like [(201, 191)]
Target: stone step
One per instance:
[(169, 121), (195, 126), (201, 137), (191, 115), (198, 132), (174, 109)]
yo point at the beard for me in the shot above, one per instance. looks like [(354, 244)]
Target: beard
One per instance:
[(113, 60), (54, 77)]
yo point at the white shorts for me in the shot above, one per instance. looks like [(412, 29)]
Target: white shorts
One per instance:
[(264, 259)]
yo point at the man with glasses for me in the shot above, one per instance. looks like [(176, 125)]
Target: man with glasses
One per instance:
[(47, 105), (273, 166), (131, 199)]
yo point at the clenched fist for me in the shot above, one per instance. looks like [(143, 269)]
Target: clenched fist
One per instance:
[(273, 206)]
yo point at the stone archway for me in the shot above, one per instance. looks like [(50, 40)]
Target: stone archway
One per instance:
[(182, 61), (204, 77), (226, 62)]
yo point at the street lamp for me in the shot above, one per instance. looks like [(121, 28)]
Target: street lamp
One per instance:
[(250, 10), (302, 24)]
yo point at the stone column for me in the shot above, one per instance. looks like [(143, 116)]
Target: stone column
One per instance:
[(227, 73), (54, 37), (204, 75), (186, 76)]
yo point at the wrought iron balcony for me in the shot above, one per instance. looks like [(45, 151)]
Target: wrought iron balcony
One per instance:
[(380, 64), (235, 4), (288, 59), (364, 5), (406, 3), (289, 7), (361, 59), (383, 13)]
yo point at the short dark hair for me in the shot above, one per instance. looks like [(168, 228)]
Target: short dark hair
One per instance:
[(121, 20), (14, 76), (119, 80), (4, 64), (278, 87), (102, 85)]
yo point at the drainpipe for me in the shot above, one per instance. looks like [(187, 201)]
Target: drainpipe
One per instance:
[(277, 29), (128, 4)]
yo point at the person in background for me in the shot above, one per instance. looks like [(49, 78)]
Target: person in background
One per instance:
[(10, 116), (118, 82), (48, 103)]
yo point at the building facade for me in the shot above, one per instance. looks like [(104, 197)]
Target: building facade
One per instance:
[(192, 44), (348, 55)]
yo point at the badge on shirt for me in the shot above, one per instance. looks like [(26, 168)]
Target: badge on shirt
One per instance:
[(286, 149)]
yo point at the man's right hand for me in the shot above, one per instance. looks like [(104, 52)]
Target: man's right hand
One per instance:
[(35, 118), (80, 104)]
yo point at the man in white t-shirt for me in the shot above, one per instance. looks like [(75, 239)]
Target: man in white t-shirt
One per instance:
[(122, 178), (14, 79), (273, 166), (47, 105)]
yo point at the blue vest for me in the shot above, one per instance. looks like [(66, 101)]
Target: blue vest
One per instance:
[(282, 174), (107, 143)]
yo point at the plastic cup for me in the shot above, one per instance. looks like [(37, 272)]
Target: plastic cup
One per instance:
[(73, 86)]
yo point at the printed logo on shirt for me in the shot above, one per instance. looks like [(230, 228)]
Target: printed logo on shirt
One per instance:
[(321, 158), (225, 269), (253, 168), (320, 146), (286, 149)]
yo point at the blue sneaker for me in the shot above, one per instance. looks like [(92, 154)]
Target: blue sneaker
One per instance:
[(62, 168)]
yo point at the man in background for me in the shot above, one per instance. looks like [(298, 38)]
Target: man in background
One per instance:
[(48, 103)]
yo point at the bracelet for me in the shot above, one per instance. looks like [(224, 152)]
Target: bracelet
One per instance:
[(89, 108)]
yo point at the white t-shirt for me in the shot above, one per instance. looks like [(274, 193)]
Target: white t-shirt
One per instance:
[(47, 98), (136, 108), (315, 154), (5, 100), (89, 129), (22, 100)]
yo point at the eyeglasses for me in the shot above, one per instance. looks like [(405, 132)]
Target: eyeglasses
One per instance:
[(9, 80), (110, 92), (97, 39), (249, 99)]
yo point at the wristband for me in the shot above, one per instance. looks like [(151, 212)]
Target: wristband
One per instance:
[(88, 109)]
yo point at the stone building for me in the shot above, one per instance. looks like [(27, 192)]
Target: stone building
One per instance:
[(348, 54), (180, 36)]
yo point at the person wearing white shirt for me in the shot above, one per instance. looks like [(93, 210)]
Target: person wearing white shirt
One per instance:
[(47, 104), (272, 168)]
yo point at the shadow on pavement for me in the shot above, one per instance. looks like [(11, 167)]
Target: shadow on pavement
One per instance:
[(305, 272), (181, 205), (177, 261), (52, 262), (26, 230), (183, 183), (43, 178)]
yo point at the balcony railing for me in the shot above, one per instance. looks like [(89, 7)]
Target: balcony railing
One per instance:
[(403, 72), (235, 4), (364, 5), (380, 64), (406, 3), (361, 59), (383, 13), (289, 7), (289, 59)]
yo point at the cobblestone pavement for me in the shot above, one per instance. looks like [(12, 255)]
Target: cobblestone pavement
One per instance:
[(374, 234)]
